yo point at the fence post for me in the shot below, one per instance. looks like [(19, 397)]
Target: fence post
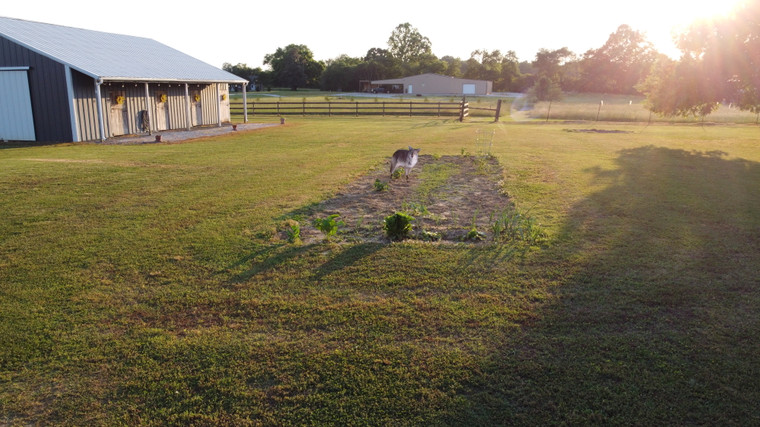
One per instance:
[(599, 110), (303, 107), (461, 111), (410, 109), (498, 111), (357, 108), (383, 108)]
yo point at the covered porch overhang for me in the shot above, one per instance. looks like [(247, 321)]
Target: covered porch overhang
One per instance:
[(146, 82), (389, 85)]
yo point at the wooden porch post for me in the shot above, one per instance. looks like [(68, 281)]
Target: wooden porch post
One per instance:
[(245, 103), (218, 107), (188, 120), (99, 103), (147, 108)]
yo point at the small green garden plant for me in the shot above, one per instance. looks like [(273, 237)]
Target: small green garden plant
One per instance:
[(430, 236), (328, 226), (294, 233), (512, 225), (380, 185), (415, 208), (473, 235), (398, 226)]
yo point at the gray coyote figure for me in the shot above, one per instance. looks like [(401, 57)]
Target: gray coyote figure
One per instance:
[(405, 159)]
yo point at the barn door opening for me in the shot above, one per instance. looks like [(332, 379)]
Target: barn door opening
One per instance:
[(196, 109), (162, 110), (117, 118), (224, 104), (16, 117)]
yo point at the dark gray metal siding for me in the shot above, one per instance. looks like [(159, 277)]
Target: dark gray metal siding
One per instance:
[(85, 106), (47, 87)]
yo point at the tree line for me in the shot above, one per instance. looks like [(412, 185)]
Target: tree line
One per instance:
[(719, 63)]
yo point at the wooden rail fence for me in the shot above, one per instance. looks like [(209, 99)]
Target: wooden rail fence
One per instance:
[(357, 108)]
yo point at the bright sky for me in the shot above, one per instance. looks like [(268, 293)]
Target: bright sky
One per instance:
[(243, 31)]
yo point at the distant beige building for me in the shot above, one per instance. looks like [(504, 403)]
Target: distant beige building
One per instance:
[(433, 84)]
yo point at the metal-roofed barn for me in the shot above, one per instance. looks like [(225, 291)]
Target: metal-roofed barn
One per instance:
[(434, 84), (61, 84)]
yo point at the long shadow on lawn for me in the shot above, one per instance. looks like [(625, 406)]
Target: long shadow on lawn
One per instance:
[(658, 323), (275, 256)]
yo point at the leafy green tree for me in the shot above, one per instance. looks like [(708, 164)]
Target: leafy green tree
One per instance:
[(678, 88), (341, 74), (502, 70), (453, 66), (241, 70), (545, 89), (294, 66), (729, 49), (621, 63), (407, 44), (425, 63), (379, 64), (485, 65), (720, 62), (510, 73), (550, 63), (255, 76)]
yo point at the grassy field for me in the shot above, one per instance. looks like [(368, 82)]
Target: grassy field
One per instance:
[(145, 284), (618, 108)]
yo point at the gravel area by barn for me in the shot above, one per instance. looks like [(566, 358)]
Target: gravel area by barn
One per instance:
[(185, 135)]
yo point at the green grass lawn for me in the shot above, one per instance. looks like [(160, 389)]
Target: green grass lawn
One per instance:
[(145, 284), (618, 108)]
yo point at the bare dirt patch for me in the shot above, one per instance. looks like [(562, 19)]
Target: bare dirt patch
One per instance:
[(597, 131), (446, 195)]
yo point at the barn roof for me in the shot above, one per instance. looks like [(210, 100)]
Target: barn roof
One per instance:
[(428, 76), (109, 56)]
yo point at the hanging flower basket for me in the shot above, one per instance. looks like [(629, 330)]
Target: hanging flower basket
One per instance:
[(196, 97), (120, 99), (162, 98), (224, 96)]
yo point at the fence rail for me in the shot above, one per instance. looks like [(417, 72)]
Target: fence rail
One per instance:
[(356, 108)]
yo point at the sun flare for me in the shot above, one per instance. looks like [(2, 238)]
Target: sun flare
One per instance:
[(686, 12)]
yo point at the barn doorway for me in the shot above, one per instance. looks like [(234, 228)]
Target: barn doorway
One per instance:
[(16, 117), (162, 110), (117, 118), (224, 104), (196, 109)]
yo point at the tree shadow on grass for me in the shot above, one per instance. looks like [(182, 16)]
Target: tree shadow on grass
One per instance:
[(657, 321), (347, 257), (272, 257)]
